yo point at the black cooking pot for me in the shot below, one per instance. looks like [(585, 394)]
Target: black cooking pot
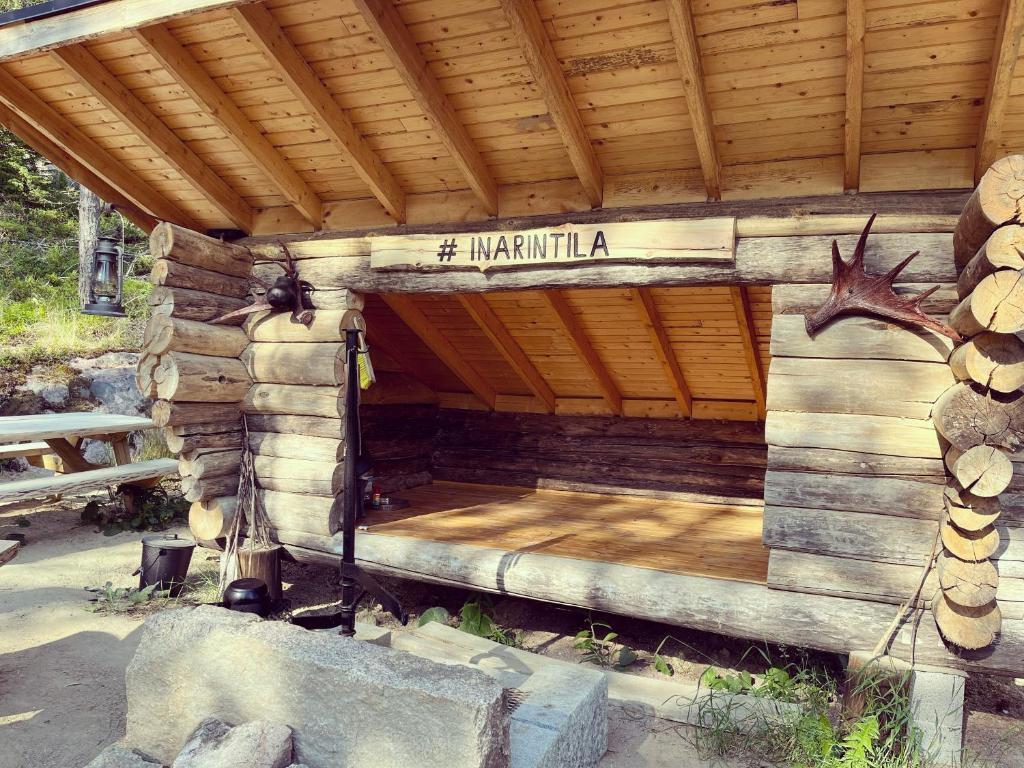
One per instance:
[(248, 596)]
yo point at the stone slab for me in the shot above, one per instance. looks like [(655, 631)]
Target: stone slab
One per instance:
[(937, 699), (117, 756), (350, 704)]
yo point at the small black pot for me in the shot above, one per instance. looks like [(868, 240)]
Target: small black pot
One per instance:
[(248, 596)]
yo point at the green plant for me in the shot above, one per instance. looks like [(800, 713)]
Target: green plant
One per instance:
[(603, 651), (437, 613), (474, 619), (150, 509), (120, 599)]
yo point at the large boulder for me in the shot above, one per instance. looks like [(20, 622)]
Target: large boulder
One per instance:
[(350, 704), (116, 756), (255, 745)]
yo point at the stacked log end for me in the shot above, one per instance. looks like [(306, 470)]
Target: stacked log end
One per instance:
[(982, 416), (295, 409), (192, 368)]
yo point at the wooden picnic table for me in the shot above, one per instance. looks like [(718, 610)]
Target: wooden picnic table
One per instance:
[(61, 434)]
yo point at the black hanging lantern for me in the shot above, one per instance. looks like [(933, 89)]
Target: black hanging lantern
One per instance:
[(107, 275)]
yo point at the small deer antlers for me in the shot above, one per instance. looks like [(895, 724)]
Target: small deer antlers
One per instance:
[(855, 292)]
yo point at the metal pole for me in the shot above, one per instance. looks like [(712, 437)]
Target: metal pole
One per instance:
[(351, 495)]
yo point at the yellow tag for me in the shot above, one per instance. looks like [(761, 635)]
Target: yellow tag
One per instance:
[(366, 375)]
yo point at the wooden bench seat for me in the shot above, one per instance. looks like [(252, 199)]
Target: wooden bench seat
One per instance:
[(38, 487), (8, 549), (18, 450)]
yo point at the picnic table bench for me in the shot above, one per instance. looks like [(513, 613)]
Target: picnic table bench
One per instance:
[(61, 434)]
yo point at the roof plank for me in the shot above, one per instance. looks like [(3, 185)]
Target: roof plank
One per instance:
[(264, 32), (1004, 61), (88, 70), (528, 31), (855, 25), (396, 40), (59, 130), (748, 335), (651, 320), (173, 57)]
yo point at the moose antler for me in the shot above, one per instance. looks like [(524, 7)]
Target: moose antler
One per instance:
[(855, 292)]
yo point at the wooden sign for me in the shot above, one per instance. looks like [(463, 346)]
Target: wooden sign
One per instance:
[(672, 241)]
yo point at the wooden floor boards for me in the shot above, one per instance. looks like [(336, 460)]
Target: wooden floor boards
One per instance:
[(718, 540)]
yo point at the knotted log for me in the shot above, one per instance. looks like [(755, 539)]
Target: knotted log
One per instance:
[(311, 514), (1002, 250), (176, 275), (983, 470), (199, 488), (967, 584), (307, 447), (172, 334), (284, 424), (200, 306), (993, 360), (168, 414), (144, 369), (969, 628), (969, 512), (314, 478), (967, 417), (169, 241), (211, 519), (180, 441), (313, 364), (997, 304), (328, 325), (211, 464), (970, 545), (201, 378), (295, 400), (995, 202)]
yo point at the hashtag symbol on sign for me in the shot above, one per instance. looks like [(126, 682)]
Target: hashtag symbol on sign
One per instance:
[(447, 250)]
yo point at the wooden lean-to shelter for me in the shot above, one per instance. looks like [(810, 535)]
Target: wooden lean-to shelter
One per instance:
[(583, 237)]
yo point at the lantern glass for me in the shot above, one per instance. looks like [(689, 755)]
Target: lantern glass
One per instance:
[(105, 286)]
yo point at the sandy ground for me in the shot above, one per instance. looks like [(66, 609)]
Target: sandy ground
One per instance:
[(62, 666)]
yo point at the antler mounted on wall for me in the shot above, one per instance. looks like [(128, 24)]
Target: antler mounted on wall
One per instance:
[(854, 292)]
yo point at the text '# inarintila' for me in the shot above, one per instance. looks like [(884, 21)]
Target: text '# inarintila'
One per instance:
[(548, 245)]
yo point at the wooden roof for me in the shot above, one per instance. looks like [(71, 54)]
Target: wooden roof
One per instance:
[(297, 115)]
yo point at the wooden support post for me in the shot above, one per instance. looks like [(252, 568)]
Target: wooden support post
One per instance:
[(684, 36), (392, 35), (264, 32), (491, 325), (417, 322), (587, 354), (748, 335), (528, 31), (172, 56), (648, 311), (1004, 61), (855, 24), (125, 105)]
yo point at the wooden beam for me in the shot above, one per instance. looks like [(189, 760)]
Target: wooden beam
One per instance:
[(397, 42), (60, 131), (1004, 60), (509, 348), (419, 324), (528, 31), (855, 24), (85, 68), (68, 163), (748, 335), (178, 62), (95, 21), (648, 311), (684, 37), (264, 32), (581, 343)]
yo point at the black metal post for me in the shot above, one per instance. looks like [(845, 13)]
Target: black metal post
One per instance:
[(352, 494)]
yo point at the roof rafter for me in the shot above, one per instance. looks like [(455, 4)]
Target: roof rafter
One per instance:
[(649, 316), (855, 25), (60, 131), (528, 31), (684, 36), (397, 42), (264, 32), (73, 168), (584, 349), (125, 105), (1004, 60), (178, 62), (748, 335), (478, 308), (403, 306)]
